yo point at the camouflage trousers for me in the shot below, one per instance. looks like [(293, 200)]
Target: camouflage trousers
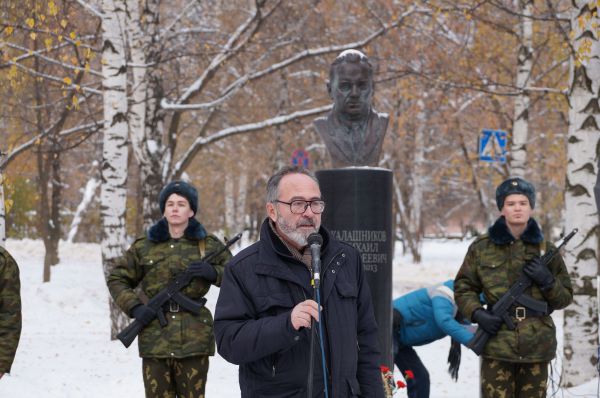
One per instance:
[(175, 377), (500, 379)]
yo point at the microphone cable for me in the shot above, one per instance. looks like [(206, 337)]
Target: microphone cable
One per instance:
[(315, 241), (321, 338)]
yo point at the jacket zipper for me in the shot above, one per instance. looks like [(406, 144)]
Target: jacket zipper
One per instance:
[(326, 370), (274, 368)]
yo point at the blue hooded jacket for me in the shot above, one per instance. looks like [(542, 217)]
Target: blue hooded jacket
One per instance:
[(428, 315)]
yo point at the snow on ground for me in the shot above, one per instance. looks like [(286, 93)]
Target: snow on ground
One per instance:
[(65, 349)]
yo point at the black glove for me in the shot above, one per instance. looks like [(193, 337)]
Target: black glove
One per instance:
[(488, 321), (539, 273), (204, 270), (143, 314)]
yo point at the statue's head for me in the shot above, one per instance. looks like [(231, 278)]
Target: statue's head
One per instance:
[(350, 85)]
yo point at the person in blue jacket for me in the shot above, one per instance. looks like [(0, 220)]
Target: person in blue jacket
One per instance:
[(421, 317)]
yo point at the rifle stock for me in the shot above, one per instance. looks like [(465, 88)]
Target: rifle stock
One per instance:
[(129, 334), (512, 296)]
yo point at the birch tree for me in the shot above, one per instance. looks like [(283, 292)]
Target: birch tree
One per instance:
[(146, 119), (581, 317), (518, 152), (113, 191)]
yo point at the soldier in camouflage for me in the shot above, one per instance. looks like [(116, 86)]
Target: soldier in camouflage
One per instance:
[(174, 357), (10, 310), (514, 362)]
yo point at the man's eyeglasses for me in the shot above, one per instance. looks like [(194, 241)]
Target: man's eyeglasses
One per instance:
[(300, 206)]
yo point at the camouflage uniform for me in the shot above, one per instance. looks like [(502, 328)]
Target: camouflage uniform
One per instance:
[(187, 375), (493, 263), (10, 310), (151, 262)]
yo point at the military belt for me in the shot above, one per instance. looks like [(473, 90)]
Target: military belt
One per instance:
[(521, 313), (171, 306)]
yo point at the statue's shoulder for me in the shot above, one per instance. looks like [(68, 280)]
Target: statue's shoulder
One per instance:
[(378, 122), (323, 120), (324, 124), (380, 117)]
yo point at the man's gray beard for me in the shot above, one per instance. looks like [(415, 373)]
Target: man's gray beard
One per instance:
[(291, 233)]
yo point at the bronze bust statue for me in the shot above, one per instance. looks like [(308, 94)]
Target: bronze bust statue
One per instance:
[(352, 131)]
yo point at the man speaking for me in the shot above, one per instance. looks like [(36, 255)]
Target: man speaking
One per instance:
[(264, 311)]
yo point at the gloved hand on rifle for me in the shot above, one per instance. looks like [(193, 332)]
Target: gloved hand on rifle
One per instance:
[(488, 321), (202, 269), (143, 314), (539, 273)]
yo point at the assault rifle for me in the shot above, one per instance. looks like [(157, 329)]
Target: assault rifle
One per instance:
[(172, 293), (516, 295)]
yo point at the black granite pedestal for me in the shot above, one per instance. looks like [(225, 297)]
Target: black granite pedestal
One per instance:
[(359, 211)]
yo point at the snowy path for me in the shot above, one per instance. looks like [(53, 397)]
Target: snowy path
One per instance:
[(65, 349)]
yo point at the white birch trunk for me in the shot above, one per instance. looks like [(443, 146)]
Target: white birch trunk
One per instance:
[(518, 158), (581, 318), (229, 203), (414, 223), (240, 208), (235, 203), (137, 109), (88, 195), (145, 117), (113, 193)]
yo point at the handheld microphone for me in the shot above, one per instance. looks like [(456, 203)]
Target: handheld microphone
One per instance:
[(314, 242)]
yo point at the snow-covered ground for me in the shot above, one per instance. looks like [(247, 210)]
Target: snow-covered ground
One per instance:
[(65, 350)]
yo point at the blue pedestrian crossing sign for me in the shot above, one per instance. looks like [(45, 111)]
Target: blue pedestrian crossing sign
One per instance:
[(492, 146)]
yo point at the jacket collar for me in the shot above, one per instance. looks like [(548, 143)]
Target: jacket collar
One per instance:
[(159, 232), (500, 234)]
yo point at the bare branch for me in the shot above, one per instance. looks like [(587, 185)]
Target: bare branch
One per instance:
[(89, 7), (227, 52), (178, 18), (492, 88), (200, 142), (39, 54), (239, 83), (55, 79), (23, 147)]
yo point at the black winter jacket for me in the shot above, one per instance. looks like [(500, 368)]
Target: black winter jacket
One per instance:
[(253, 326)]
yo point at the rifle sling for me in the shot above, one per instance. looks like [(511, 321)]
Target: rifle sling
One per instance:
[(529, 302), (534, 306)]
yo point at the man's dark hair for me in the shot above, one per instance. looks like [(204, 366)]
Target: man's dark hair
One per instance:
[(350, 57), (275, 179)]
